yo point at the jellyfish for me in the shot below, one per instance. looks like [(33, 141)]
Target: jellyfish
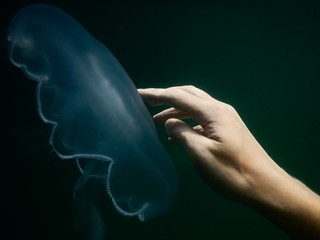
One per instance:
[(96, 113)]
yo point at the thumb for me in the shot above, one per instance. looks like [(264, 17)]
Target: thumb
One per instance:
[(183, 133)]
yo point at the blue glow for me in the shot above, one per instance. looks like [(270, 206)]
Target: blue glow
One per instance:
[(95, 109)]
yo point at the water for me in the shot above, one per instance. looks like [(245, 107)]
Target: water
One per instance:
[(262, 57)]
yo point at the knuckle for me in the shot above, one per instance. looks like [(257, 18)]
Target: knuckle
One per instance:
[(170, 123), (229, 107), (190, 87), (172, 94)]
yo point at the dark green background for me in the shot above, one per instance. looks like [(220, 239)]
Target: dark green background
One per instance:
[(263, 57)]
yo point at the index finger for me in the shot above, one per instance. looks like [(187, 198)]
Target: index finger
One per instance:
[(181, 100)]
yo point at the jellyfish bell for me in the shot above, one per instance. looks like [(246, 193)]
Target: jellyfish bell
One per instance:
[(95, 111)]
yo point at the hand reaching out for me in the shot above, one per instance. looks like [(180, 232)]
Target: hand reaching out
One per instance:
[(221, 146), (232, 162)]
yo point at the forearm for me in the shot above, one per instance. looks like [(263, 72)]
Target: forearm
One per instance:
[(287, 202), (232, 162)]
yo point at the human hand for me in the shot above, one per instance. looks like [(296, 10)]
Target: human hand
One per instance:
[(232, 162), (221, 146)]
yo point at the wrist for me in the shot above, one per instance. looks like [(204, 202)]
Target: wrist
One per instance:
[(285, 201)]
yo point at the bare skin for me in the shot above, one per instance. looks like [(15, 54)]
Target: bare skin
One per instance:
[(232, 162)]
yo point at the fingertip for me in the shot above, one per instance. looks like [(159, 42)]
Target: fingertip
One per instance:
[(158, 118), (141, 91)]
